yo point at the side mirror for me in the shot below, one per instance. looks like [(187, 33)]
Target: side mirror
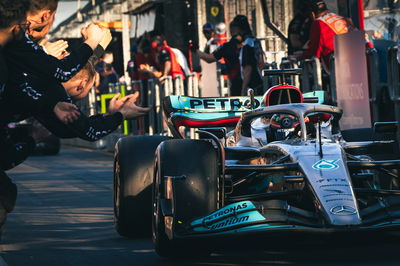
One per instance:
[(385, 127)]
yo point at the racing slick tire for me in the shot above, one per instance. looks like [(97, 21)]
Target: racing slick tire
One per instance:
[(194, 166), (133, 178)]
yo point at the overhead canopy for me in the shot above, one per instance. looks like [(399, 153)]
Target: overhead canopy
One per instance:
[(143, 18)]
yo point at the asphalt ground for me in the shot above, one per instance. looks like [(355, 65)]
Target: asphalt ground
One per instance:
[(64, 216)]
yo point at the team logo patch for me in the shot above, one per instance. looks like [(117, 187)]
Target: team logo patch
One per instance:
[(326, 165), (343, 210), (214, 11)]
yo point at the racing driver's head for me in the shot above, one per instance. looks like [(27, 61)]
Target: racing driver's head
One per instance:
[(41, 18), (79, 86)]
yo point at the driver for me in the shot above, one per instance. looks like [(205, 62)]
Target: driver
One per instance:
[(281, 126)]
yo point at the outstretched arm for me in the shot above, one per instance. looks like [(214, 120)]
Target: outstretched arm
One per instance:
[(209, 58), (27, 56)]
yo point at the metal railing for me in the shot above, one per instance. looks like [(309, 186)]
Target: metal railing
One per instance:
[(166, 87)]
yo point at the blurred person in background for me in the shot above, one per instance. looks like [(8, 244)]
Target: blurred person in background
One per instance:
[(220, 33), (243, 57), (229, 51), (106, 73), (146, 61), (211, 44), (132, 67), (299, 29), (251, 56), (324, 27), (167, 59)]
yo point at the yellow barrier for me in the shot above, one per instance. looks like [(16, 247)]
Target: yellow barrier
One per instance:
[(105, 98)]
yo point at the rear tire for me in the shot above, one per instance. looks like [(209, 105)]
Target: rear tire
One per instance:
[(195, 195), (133, 178)]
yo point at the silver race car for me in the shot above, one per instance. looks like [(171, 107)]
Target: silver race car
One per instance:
[(284, 166)]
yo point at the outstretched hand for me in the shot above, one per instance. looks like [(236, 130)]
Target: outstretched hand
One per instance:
[(116, 104), (106, 39), (127, 107), (66, 112), (58, 49), (93, 35)]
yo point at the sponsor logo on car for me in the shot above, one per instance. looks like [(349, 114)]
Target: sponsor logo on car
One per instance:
[(326, 165), (343, 210), (223, 104), (230, 222), (228, 210)]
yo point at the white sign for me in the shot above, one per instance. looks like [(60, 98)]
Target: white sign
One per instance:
[(352, 80)]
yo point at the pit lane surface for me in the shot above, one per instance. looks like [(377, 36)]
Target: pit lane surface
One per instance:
[(64, 216)]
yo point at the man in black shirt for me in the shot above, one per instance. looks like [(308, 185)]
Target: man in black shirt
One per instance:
[(12, 25), (230, 52), (26, 58), (88, 128), (251, 55), (242, 55)]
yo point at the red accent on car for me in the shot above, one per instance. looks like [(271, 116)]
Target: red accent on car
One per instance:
[(271, 95), (185, 122)]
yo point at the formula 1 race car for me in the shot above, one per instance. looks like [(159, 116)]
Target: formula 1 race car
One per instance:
[(285, 166)]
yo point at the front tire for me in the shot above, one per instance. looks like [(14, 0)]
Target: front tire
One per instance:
[(195, 194), (133, 178)]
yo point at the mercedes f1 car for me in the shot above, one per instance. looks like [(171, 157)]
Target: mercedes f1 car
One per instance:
[(285, 166)]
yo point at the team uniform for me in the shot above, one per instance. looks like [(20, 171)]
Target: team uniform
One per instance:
[(8, 190), (167, 54), (108, 75), (28, 57), (300, 25), (230, 51), (322, 35), (249, 55), (34, 88), (88, 128)]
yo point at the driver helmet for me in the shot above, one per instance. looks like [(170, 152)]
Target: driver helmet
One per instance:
[(284, 121), (282, 125)]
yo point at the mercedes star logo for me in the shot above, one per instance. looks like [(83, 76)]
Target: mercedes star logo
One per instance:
[(343, 210)]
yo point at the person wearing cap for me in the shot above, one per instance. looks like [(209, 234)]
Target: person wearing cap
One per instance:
[(323, 29), (242, 54), (209, 33)]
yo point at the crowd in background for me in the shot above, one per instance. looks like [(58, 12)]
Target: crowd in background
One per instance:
[(240, 58)]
